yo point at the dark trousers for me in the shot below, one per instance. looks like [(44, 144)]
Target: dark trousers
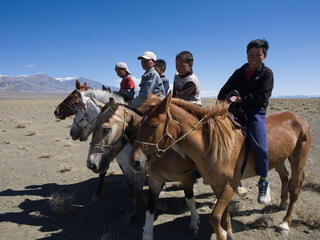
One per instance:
[(256, 128)]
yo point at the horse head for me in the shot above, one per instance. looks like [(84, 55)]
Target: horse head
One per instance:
[(155, 133), (66, 107), (107, 139), (86, 112)]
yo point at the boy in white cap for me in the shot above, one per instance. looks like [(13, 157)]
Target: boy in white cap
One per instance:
[(150, 80), (127, 85)]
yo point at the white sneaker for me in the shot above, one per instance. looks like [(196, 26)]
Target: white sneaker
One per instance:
[(264, 196)]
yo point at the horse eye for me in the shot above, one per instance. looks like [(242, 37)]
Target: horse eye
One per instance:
[(154, 126), (106, 130)]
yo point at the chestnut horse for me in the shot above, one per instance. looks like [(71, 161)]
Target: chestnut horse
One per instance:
[(117, 125), (217, 148), (66, 107)]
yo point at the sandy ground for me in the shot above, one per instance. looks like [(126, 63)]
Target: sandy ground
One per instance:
[(45, 186)]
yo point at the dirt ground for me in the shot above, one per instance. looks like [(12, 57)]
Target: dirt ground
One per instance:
[(45, 186)]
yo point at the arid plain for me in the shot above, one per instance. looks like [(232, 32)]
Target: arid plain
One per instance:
[(45, 186)]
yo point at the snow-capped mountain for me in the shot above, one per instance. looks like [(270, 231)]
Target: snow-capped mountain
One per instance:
[(43, 83)]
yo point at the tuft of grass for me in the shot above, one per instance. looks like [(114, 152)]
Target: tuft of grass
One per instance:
[(311, 217), (46, 156), (61, 204), (21, 125), (312, 183)]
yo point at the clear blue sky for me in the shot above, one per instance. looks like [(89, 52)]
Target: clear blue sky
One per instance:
[(87, 38)]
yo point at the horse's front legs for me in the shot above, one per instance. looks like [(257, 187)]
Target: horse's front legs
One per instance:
[(154, 190), (99, 191), (220, 212), (187, 184)]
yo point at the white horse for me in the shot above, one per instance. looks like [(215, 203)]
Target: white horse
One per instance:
[(87, 111)]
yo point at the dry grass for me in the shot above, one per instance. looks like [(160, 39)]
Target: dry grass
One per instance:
[(309, 215), (46, 156), (61, 204), (312, 183), (21, 125)]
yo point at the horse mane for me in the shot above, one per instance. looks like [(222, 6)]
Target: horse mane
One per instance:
[(220, 135), (103, 96)]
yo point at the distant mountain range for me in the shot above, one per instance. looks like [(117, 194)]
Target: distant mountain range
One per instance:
[(43, 83)]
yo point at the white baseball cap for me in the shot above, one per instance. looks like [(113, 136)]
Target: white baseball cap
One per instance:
[(148, 55), (123, 65)]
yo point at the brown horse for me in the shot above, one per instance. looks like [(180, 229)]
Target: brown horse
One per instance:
[(217, 148), (117, 125), (66, 107)]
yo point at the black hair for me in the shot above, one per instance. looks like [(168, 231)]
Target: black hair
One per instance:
[(259, 43), (161, 64), (185, 56)]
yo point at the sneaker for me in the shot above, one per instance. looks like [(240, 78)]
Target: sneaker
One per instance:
[(264, 192)]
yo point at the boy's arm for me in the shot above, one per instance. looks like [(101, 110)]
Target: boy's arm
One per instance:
[(227, 87)]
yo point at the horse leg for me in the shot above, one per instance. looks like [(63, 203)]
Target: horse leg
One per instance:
[(99, 191), (226, 223), (187, 184), (283, 173), (224, 196), (154, 191), (297, 161)]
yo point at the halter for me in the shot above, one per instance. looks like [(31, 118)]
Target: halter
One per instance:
[(86, 116), (161, 151), (100, 147)]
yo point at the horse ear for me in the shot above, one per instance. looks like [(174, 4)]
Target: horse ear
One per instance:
[(104, 88), (98, 103), (111, 101), (151, 95), (85, 83), (164, 105), (77, 84), (109, 89), (79, 95)]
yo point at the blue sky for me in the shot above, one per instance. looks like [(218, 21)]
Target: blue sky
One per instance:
[(64, 38)]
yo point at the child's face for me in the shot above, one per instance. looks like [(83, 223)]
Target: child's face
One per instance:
[(159, 70), (121, 72), (255, 57), (183, 67), (147, 63)]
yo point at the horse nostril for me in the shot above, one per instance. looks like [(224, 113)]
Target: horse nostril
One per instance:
[(92, 167), (136, 164)]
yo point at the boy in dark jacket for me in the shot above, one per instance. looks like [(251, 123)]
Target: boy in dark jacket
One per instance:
[(254, 82), (161, 68)]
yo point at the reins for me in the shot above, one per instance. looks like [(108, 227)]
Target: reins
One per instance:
[(160, 151)]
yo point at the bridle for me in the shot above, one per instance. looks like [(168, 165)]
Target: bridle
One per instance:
[(165, 133), (123, 137), (85, 116)]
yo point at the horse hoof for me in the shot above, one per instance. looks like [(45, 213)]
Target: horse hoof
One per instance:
[(284, 228), (229, 238), (283, 205)]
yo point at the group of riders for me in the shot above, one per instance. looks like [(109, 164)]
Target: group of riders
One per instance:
[(249, 89)]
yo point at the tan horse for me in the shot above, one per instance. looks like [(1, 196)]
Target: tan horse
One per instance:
[(117, 125), (218, 150)]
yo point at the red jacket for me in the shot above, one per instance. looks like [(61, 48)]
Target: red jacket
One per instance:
[(127, 83)]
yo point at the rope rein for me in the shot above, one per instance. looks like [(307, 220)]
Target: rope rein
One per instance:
[(160, 151)]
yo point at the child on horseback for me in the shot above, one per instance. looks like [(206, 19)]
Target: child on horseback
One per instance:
[(161, 68), (127, 85), (150, 80), (254, 83), (186, 85)]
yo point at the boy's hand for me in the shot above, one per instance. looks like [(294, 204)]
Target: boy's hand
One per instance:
[(234, 99)]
